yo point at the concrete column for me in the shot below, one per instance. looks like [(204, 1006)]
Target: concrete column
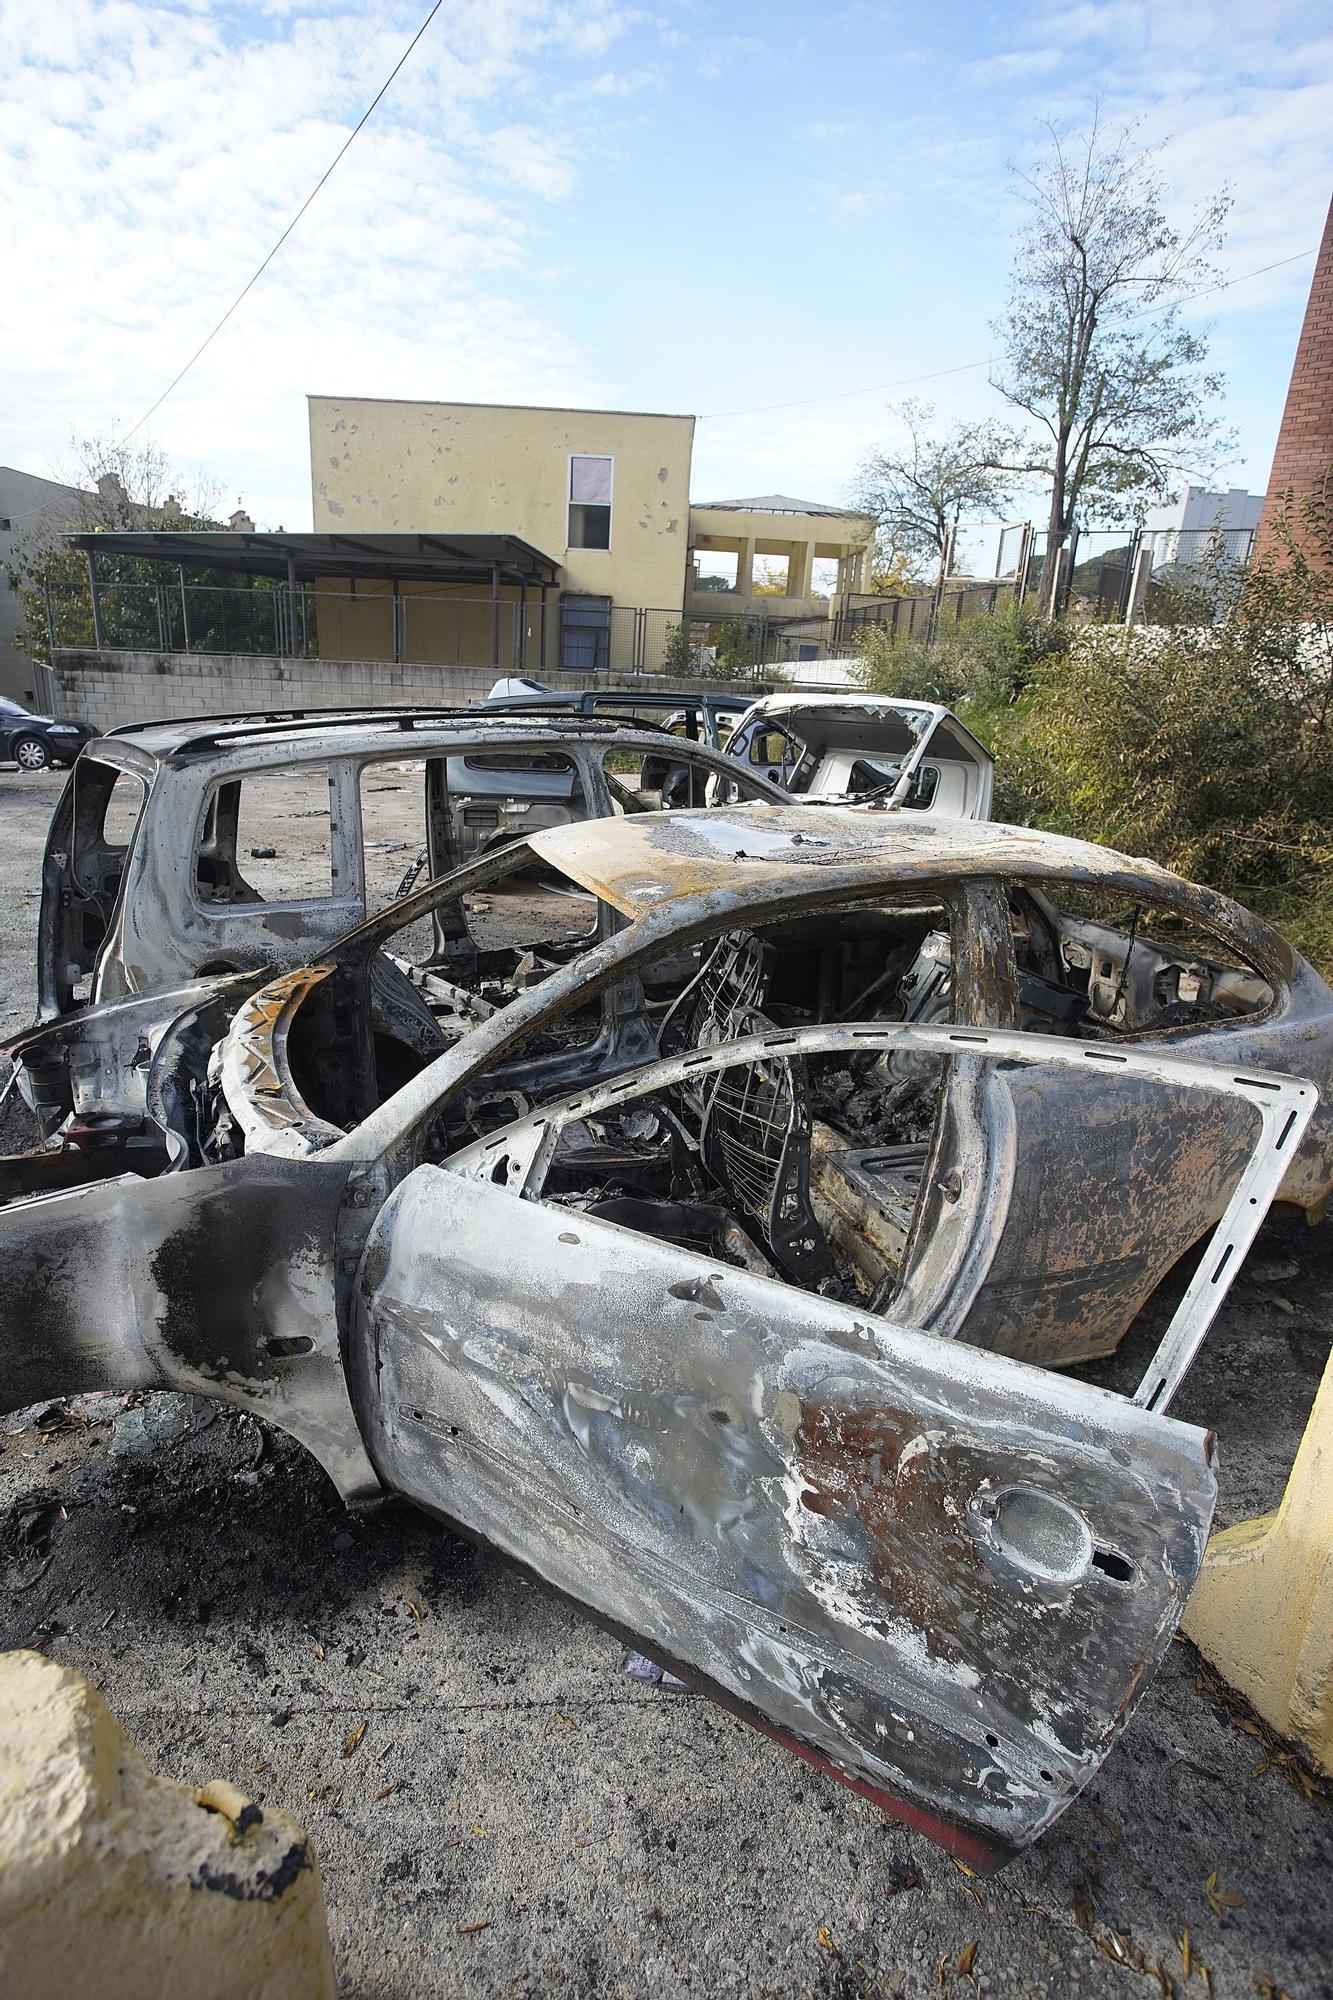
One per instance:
[(745, 567), (800, 562)]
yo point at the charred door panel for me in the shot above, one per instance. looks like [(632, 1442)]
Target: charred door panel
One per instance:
[(1108, 1181), (944, 1572)]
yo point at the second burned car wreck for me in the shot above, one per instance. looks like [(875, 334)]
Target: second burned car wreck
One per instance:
[(693, 1207)]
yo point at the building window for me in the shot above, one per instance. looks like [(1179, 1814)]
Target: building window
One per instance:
[(589, 502), (585, 633)]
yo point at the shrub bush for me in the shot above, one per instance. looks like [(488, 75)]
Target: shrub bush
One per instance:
[(1206, 746)]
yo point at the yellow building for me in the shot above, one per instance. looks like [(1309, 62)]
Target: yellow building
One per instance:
[(604, 495)]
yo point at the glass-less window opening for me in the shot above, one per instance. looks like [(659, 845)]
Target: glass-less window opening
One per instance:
[(589, 502)]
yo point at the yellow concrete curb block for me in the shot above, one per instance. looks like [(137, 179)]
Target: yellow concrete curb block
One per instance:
[(1262, 1610), (116, 1881)]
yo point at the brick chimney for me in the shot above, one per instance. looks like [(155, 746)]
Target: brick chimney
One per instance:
[(1303, 461)]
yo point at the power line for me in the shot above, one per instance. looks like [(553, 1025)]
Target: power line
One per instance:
[(966, 367), (257, 275)]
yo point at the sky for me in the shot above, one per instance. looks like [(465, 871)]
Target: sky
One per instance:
[(772, 216)]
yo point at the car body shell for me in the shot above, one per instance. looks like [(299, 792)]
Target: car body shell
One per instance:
[(826, 747), (920, 1560), (119, 919)]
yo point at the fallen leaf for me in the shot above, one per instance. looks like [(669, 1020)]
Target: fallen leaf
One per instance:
[(484, 1831), (966, 1959), (1221, 1900), (824, 1939), (319, 1650), (564, 1720), (1186, 1955), (1108, 1823), (963, 1869), (352, 1742), (1164, 1980), (470, 1930), (384, 1791), (413, 1608)]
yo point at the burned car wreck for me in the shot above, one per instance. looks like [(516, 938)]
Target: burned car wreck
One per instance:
[(693, 1207), (150, 877)]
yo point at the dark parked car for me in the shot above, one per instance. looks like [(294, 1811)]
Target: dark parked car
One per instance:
[(34, 742)]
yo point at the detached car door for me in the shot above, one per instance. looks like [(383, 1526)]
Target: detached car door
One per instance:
[(937, 1572)]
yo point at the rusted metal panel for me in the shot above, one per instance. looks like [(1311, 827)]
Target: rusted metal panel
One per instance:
[(751, 854)]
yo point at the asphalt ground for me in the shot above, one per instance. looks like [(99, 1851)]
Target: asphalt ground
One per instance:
[(518, 1816)]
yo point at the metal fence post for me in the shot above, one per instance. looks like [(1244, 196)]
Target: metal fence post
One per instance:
[(1024, 561), (97, 605), (1138, 583)]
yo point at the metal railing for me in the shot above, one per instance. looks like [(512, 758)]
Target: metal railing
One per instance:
[(1103, 573), (438, 629)]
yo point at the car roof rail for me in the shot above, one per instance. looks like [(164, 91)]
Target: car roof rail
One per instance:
[(222, 732)]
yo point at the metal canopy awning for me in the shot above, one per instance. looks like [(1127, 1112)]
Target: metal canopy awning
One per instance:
[(417, 558), (494, 560)]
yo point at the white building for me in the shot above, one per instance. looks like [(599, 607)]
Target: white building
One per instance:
[(1199, 510)]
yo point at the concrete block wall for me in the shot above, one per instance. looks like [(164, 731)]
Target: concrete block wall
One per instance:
[(109, 689)]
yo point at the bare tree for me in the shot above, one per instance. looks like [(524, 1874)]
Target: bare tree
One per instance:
[(109, 484), (123, 485), (920, 492), (1094, 351)]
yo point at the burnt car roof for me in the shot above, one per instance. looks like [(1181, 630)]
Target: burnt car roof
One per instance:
[(185, 738), (760, 853)]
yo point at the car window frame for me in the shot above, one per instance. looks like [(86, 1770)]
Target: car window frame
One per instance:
[(346, 854), (1276, 979)]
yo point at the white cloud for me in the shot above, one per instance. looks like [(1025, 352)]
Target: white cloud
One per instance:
[(150, 156), (1015, 64)]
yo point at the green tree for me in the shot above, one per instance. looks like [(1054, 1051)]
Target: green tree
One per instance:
[(680, 654), (735, 650), (1094, 350)]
